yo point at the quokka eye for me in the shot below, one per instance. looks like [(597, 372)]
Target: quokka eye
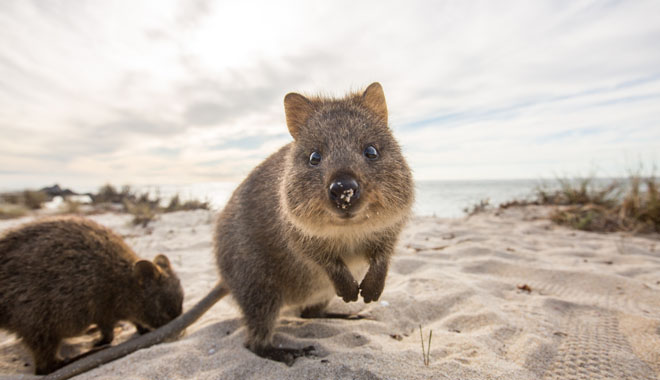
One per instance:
[(314, 158), (371, 153)]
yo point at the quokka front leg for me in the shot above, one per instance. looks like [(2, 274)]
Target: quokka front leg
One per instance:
[(373, 283), (345, 285)]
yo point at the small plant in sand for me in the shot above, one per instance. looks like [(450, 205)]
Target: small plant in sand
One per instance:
[(477, 208), (192, 204), (143, 208), (71, 207), (426, 351), (142, 213)]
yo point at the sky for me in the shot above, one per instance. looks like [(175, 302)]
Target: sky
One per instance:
[(181, 92)]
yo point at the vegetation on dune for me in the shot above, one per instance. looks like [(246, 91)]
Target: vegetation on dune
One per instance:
[(478, 208), (20, 203), (144, 207), (191, 204), (631, 205), (10, 211), (30, 199)]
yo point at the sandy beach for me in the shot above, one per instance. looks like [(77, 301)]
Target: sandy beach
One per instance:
[(507, 294)]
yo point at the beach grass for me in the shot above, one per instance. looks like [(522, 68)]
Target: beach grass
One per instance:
[(629, 205), (11, 211), (19, 203), (144, 206), (426, 351), (29, 199)]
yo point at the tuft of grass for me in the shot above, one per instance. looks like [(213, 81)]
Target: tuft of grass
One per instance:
[(19, 203), (34, 199), (175, 204), (143, 208), (11, 211), (106, 194), (426, 353), (109, 194), (477, 208), (143, 212), (71, 207)]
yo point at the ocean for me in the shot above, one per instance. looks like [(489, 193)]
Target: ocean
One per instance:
[(441, 198), (445, 199)]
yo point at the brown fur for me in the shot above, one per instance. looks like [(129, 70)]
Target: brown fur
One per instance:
[(280, 241), (60, 275)]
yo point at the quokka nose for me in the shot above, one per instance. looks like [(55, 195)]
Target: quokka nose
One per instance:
[(344, 192)]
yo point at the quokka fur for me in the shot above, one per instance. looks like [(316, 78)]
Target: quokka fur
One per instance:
[(286, 238), (60, 275), (282, 241)]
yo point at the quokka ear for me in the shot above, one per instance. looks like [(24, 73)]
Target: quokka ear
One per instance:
[(297, 109), (163, 262), (145, 271), (374, 98)]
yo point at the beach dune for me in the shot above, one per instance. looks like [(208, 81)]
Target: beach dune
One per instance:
[(507, 294)]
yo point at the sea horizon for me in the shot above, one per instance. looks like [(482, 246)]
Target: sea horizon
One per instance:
[(440, 198)]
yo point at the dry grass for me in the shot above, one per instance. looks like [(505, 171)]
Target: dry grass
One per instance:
[(426, 351), (477, 208), (143, 212), (192, 204), (20, 203), (144, 207), (631, 205), (71, 207), (637, 210), (10, 211), (30, 199)]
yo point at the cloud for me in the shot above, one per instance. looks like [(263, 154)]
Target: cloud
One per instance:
[(192, 91)]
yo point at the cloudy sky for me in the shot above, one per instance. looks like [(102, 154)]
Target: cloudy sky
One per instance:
[(167, 92)]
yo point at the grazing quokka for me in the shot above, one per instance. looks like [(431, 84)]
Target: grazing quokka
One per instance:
[(60, 275), (304, 224), (313, 216)]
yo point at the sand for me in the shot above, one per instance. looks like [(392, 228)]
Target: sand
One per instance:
[(507, 294)]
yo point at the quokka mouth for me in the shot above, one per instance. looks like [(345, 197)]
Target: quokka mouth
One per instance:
[(347, 215), (344, 215)]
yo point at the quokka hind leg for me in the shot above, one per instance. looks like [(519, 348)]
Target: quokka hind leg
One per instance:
[(44, 351), (260, 315), (107, 334), (141, 329)]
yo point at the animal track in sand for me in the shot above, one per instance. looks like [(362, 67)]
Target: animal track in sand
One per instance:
[(467, 323), (594, 348)]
